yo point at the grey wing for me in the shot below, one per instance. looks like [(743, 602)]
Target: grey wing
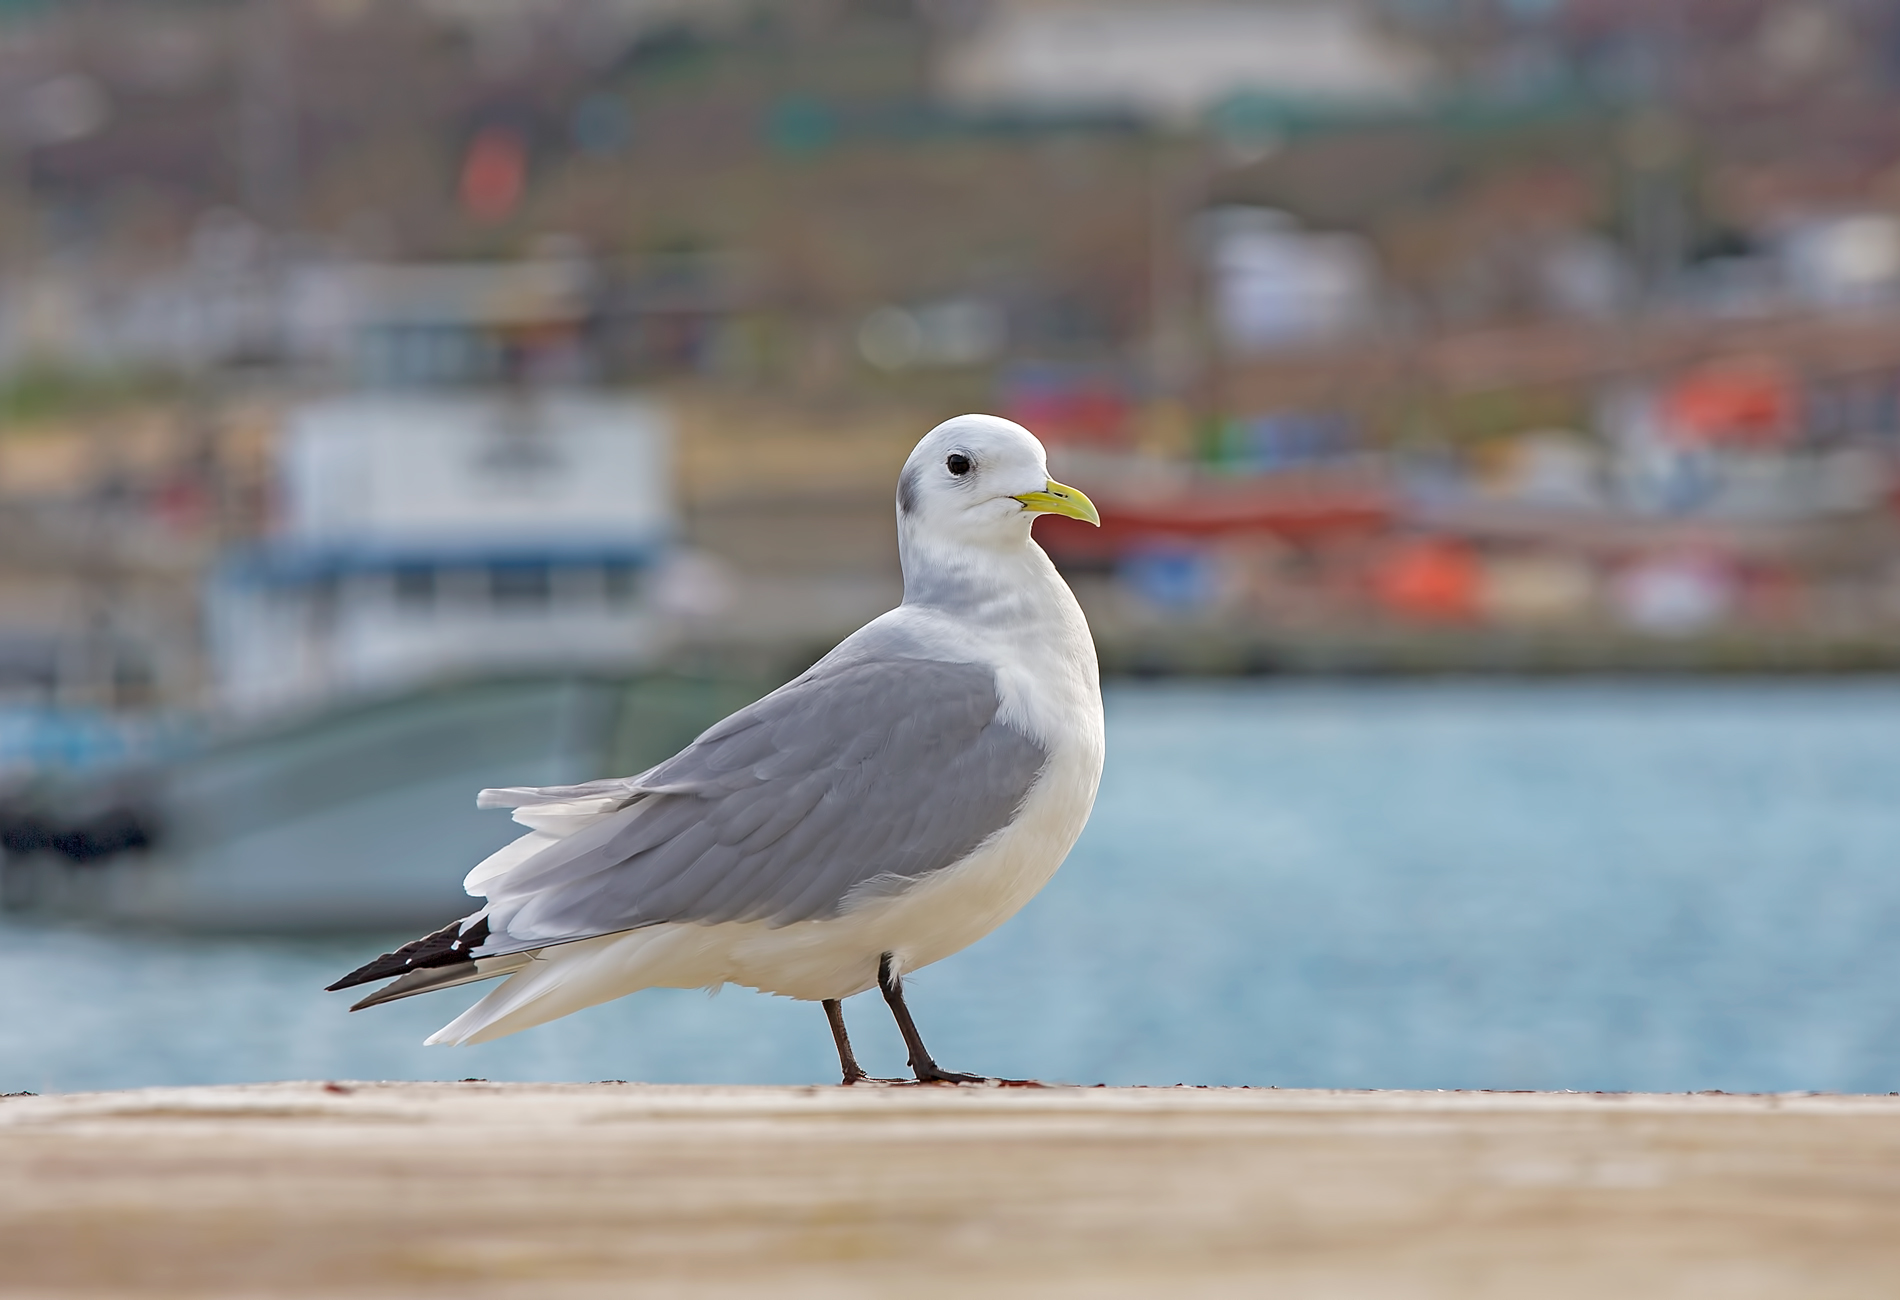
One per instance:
[(863, 777)]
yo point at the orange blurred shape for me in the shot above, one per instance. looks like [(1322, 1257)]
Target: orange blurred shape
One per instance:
[(1752, 405), (1431, 579), (494, 173)]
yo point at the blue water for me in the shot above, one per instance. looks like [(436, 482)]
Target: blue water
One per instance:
[(1617, 886)]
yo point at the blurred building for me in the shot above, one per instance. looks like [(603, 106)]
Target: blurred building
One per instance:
[(428, 538), (1474, 323), (1174, 63), (1273, 285)]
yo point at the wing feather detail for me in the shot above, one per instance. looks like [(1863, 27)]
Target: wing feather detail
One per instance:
[(880, 770)]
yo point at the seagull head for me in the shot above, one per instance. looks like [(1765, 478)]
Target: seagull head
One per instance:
[(980, 481)]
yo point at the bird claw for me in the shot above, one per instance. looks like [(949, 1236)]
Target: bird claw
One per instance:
[(934, 1075)]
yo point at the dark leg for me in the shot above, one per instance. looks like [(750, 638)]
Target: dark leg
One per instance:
[(926, 1070), (853, 1073)]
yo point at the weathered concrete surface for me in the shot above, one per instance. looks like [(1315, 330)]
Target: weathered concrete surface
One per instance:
[(478, 1190)]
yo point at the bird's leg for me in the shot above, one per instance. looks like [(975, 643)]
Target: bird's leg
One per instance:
[(853, 1072), (926, 1070)]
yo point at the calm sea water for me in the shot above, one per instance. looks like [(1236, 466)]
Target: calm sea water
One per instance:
[(1616, 886)]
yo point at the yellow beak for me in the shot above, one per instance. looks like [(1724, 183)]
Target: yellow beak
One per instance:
[(1056, 499)]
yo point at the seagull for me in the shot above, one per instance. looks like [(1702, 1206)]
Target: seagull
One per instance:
[(893, 804)]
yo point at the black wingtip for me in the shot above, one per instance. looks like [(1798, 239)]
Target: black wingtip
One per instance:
[(446, 947)]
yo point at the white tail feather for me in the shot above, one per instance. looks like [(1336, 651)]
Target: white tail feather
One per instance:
[(565, 817), (551, 816), (505, 859), (570, 976)]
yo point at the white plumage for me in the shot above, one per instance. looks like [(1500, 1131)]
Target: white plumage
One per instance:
[(896, 803)]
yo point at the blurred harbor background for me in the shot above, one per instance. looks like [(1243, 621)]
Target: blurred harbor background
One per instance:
[(1402, 885), (402, 396)]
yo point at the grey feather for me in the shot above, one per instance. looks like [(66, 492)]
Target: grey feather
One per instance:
[(615, 787), (858, 779)]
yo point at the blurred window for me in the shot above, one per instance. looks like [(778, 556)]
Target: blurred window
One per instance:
[(520, 585), (415, 587), (618, 583)]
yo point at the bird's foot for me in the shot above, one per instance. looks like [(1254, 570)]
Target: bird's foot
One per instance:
[(931, 1072), (869, 1080), (948, 1076)]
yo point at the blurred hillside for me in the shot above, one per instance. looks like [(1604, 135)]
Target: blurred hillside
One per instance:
[(1400, 335)]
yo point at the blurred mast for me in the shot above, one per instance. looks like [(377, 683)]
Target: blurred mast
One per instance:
[(267, 117)]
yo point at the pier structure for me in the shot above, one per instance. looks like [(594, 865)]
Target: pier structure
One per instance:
[(554, 1191)]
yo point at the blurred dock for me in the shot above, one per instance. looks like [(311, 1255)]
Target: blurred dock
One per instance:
[(478, 1189)]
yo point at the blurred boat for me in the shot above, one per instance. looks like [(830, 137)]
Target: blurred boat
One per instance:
[(1148, 503), (354, 818), (459, 589), (424, 536)]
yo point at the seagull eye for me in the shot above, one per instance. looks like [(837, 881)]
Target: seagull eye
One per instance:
[(959, 464)]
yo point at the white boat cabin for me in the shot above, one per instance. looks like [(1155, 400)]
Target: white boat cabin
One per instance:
[(430, 536)]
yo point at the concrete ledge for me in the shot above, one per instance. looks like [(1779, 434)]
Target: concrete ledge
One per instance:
[(475, 1189)]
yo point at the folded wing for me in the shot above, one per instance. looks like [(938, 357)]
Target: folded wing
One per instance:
[(854, 780)]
